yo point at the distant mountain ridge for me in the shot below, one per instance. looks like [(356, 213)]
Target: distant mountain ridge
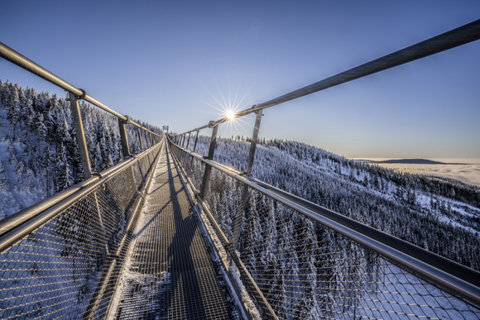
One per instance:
[(413, 161)]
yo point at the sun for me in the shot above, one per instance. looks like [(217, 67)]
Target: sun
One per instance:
[(230, 114)]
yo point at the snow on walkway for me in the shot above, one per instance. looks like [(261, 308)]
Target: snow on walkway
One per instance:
[(168, 272)]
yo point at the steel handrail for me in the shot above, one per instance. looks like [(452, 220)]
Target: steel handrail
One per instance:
[(22, 61), (436, 274), (454, 38)]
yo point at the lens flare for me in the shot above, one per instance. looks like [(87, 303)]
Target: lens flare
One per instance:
[(230, 114)]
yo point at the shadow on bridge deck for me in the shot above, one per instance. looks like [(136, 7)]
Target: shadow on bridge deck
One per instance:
[(169, 274)]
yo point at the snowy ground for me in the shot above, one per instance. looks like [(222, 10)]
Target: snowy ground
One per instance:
[(129, 278)]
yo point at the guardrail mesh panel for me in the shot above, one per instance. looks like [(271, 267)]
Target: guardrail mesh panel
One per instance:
[(137, 175), (58, 270), (224, 198), (308, 271), (193, 167)]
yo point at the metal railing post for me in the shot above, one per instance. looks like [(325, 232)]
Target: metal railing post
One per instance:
[(139, 132), (80, 134), (188, 140), (196, 139), (245, 195), (208, 169), (122, 124), (253, 144)]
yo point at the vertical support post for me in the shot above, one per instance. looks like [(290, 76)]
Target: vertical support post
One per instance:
[(245, 194), (188, 140), (123, 135), (183, 140), (196, 139), (253, 144), (149, 137), (80, 134), (208, 169), (144, 139), (140, 138)]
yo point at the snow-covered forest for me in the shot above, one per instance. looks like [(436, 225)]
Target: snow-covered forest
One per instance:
[(38, 149), (442, 216)]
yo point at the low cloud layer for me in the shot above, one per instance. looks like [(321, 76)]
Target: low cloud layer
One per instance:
[(468, 171)]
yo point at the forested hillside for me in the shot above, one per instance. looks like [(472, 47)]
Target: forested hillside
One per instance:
[(38, 148), (441, 216)]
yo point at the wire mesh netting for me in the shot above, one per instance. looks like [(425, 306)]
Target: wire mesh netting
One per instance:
[(307, 271), (69, 266), (193, 167), (139, 140)]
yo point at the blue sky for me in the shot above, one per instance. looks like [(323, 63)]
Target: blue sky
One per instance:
[(180, 62)]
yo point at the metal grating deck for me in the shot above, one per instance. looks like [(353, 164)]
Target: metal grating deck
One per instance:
[(169, 274)]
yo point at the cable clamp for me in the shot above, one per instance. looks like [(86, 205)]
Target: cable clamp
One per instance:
[(96, 174), (82, 96)]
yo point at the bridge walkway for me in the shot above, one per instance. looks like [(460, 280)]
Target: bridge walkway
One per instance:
[(168, 273)]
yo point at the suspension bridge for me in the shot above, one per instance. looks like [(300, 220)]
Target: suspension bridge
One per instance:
[(155, 237)]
